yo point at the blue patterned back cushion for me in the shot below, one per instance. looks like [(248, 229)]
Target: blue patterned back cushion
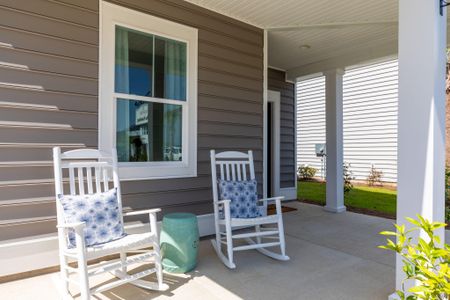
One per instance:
[(243, 196), (99, 211)]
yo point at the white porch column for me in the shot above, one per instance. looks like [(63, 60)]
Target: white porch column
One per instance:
[(334, 140), (421, 117)]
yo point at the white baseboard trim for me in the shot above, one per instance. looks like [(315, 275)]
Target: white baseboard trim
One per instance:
[(206, 224), (32, 254), (288, 193), (42, 252)]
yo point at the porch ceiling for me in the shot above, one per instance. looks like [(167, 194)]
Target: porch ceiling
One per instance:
[(339, 33)]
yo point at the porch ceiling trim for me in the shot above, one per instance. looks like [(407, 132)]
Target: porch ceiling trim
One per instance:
[(365, 54), (331, 25), (333, 34)]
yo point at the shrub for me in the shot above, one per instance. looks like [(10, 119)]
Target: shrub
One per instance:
[(447, 213), (447, 177), (374, 177), (348, 177), (423, 262), (306, 172)]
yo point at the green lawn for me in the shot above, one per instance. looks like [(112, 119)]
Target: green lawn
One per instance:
[(376, 199)]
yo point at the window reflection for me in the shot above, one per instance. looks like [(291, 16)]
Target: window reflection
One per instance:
[(134, 62), (148, 65), (148, 131)]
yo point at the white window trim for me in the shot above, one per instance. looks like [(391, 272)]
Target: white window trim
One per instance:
[(111, 15)]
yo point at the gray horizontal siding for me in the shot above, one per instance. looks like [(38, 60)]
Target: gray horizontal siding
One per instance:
[(277, 82), (66, 118), (370, 119), (48, 97)]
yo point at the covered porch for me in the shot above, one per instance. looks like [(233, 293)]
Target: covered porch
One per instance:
[(333, 253), (333, 256), (306, 39)]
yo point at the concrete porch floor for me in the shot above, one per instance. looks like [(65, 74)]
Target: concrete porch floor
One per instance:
[(333, 256)]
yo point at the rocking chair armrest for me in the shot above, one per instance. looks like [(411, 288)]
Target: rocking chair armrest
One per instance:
[(151, 215), (277, 203), (142, 212), (76, 226), (223, 202), (279, 198)]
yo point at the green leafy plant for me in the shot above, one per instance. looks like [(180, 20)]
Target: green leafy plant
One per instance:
[(305, 172), (374, 177), (348, 177), (424, 261)]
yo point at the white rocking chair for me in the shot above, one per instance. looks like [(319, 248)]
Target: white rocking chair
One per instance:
[(93, 170), (232, 165)]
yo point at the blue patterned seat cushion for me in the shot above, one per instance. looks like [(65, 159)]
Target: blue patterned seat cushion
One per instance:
[(99, 211), (243, 196)]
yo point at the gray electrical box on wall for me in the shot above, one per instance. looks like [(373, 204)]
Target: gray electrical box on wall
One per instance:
[(320, 150)]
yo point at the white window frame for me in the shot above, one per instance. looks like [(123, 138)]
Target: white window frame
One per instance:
[(110, 16)]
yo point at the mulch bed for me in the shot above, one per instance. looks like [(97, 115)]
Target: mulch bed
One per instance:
[(364, 211)]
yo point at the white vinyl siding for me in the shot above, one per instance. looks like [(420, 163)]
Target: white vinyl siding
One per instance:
[(310, 121), (370, 119)]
